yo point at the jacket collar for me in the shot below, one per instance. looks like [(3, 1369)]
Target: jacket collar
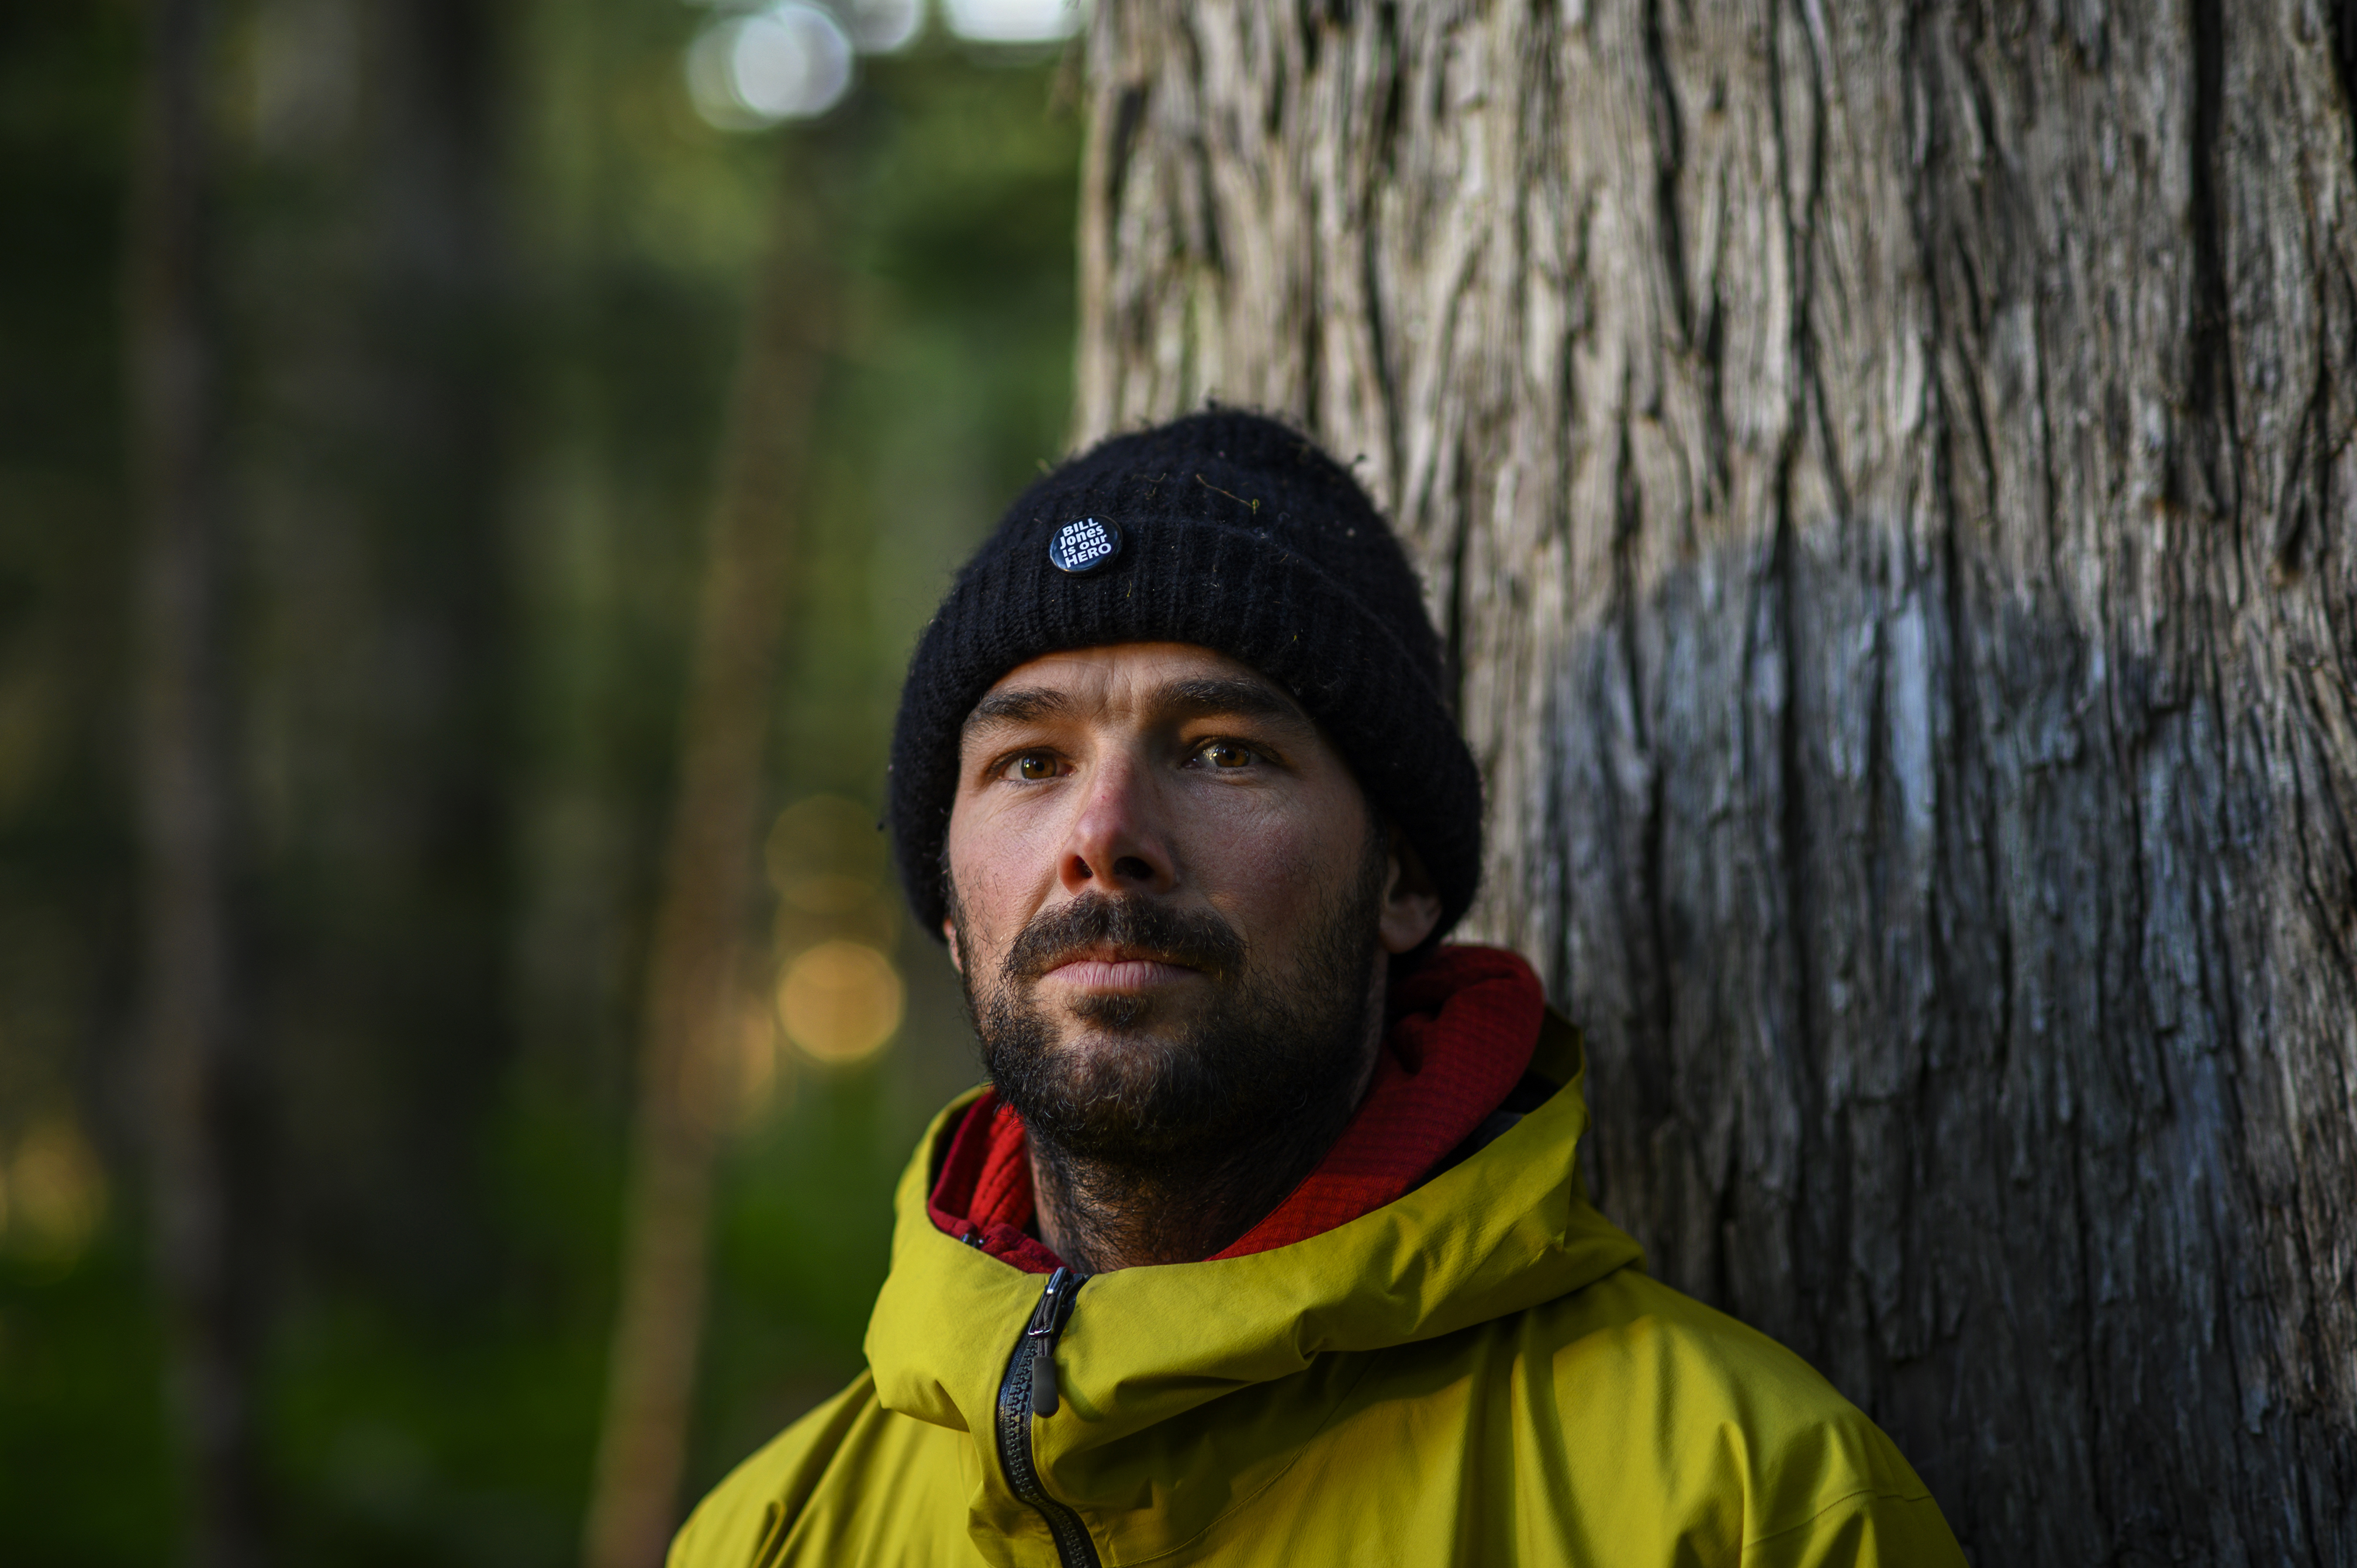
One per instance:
[(1146, 1350)]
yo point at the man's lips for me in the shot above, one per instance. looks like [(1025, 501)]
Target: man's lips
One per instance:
[(1118, 972)]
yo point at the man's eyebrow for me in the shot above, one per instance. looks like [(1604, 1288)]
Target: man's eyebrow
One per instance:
[(1192, 699), (1227, 694), (1021, 704)]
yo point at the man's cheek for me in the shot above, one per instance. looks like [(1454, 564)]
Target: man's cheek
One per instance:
[(988, 901), (1271, 881)]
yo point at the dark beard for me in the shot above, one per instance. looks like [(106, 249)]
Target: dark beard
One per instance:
[(1273, 1065)]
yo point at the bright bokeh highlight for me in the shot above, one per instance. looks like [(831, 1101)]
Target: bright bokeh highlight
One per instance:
[(1014, 21), (787, 61), (840, 1000)]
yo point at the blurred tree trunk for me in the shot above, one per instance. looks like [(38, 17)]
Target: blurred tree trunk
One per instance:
[(1885, 476), (378, 462), (199, 1062), (695, 988)]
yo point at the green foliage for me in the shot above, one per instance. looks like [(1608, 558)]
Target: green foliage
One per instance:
[(475, 440)]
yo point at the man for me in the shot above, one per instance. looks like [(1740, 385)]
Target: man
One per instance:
[(1267, 1244)]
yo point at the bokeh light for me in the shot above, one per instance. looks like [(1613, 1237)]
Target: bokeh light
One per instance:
[(787, 61), (52, 1192), (883, 26), (825, 855), (827, 862), (840, 1000), (1014, 21)]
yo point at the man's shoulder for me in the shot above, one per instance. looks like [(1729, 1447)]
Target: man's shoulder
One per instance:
[(1717, 1400), (1730, 1367), (730, 1527), (783, 1489)]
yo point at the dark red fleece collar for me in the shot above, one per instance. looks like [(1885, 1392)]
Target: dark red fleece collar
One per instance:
[(1463, 1027)]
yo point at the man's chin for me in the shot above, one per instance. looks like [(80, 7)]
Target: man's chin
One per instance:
[(1084, 1042), (1141, 1092), (1116, 1015)]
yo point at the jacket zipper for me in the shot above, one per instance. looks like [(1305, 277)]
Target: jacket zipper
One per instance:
[(1030, 1386)]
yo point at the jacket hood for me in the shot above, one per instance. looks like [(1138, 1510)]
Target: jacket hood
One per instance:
[(1205, 1375)]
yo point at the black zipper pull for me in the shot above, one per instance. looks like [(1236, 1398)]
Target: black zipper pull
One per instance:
[(1027, 1389), (1047, 1320)]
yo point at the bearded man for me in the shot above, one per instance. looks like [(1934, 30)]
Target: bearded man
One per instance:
[(1267, 1243)]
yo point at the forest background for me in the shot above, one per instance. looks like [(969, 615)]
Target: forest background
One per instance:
[(483, 278)]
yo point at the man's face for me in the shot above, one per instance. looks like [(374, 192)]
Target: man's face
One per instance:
[(1169, 901)]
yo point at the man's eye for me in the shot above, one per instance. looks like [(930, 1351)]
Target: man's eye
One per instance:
[(1226, 753), (1035, 765)]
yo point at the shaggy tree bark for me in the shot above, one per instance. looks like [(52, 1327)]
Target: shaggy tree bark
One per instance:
[(1884, 473)]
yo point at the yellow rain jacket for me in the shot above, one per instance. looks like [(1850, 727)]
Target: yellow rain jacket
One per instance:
[(1478, 1373)]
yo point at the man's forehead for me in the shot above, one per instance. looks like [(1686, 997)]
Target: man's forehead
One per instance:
[(1161, 680)]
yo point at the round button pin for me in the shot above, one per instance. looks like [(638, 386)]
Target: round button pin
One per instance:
[(1086, 545)]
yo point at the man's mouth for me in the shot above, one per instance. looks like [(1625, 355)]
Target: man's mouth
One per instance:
[(1117, 970)]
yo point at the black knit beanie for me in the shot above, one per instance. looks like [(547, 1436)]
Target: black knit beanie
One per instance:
[(1232, 532)]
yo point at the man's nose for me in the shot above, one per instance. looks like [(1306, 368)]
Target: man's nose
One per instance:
[(1115, 845)]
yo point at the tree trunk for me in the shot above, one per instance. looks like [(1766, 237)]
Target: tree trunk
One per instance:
[(199, 1063), (694, 990), (378, 443), (1884, 474)]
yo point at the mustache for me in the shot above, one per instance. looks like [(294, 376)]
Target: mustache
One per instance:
[(1196, 938)]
